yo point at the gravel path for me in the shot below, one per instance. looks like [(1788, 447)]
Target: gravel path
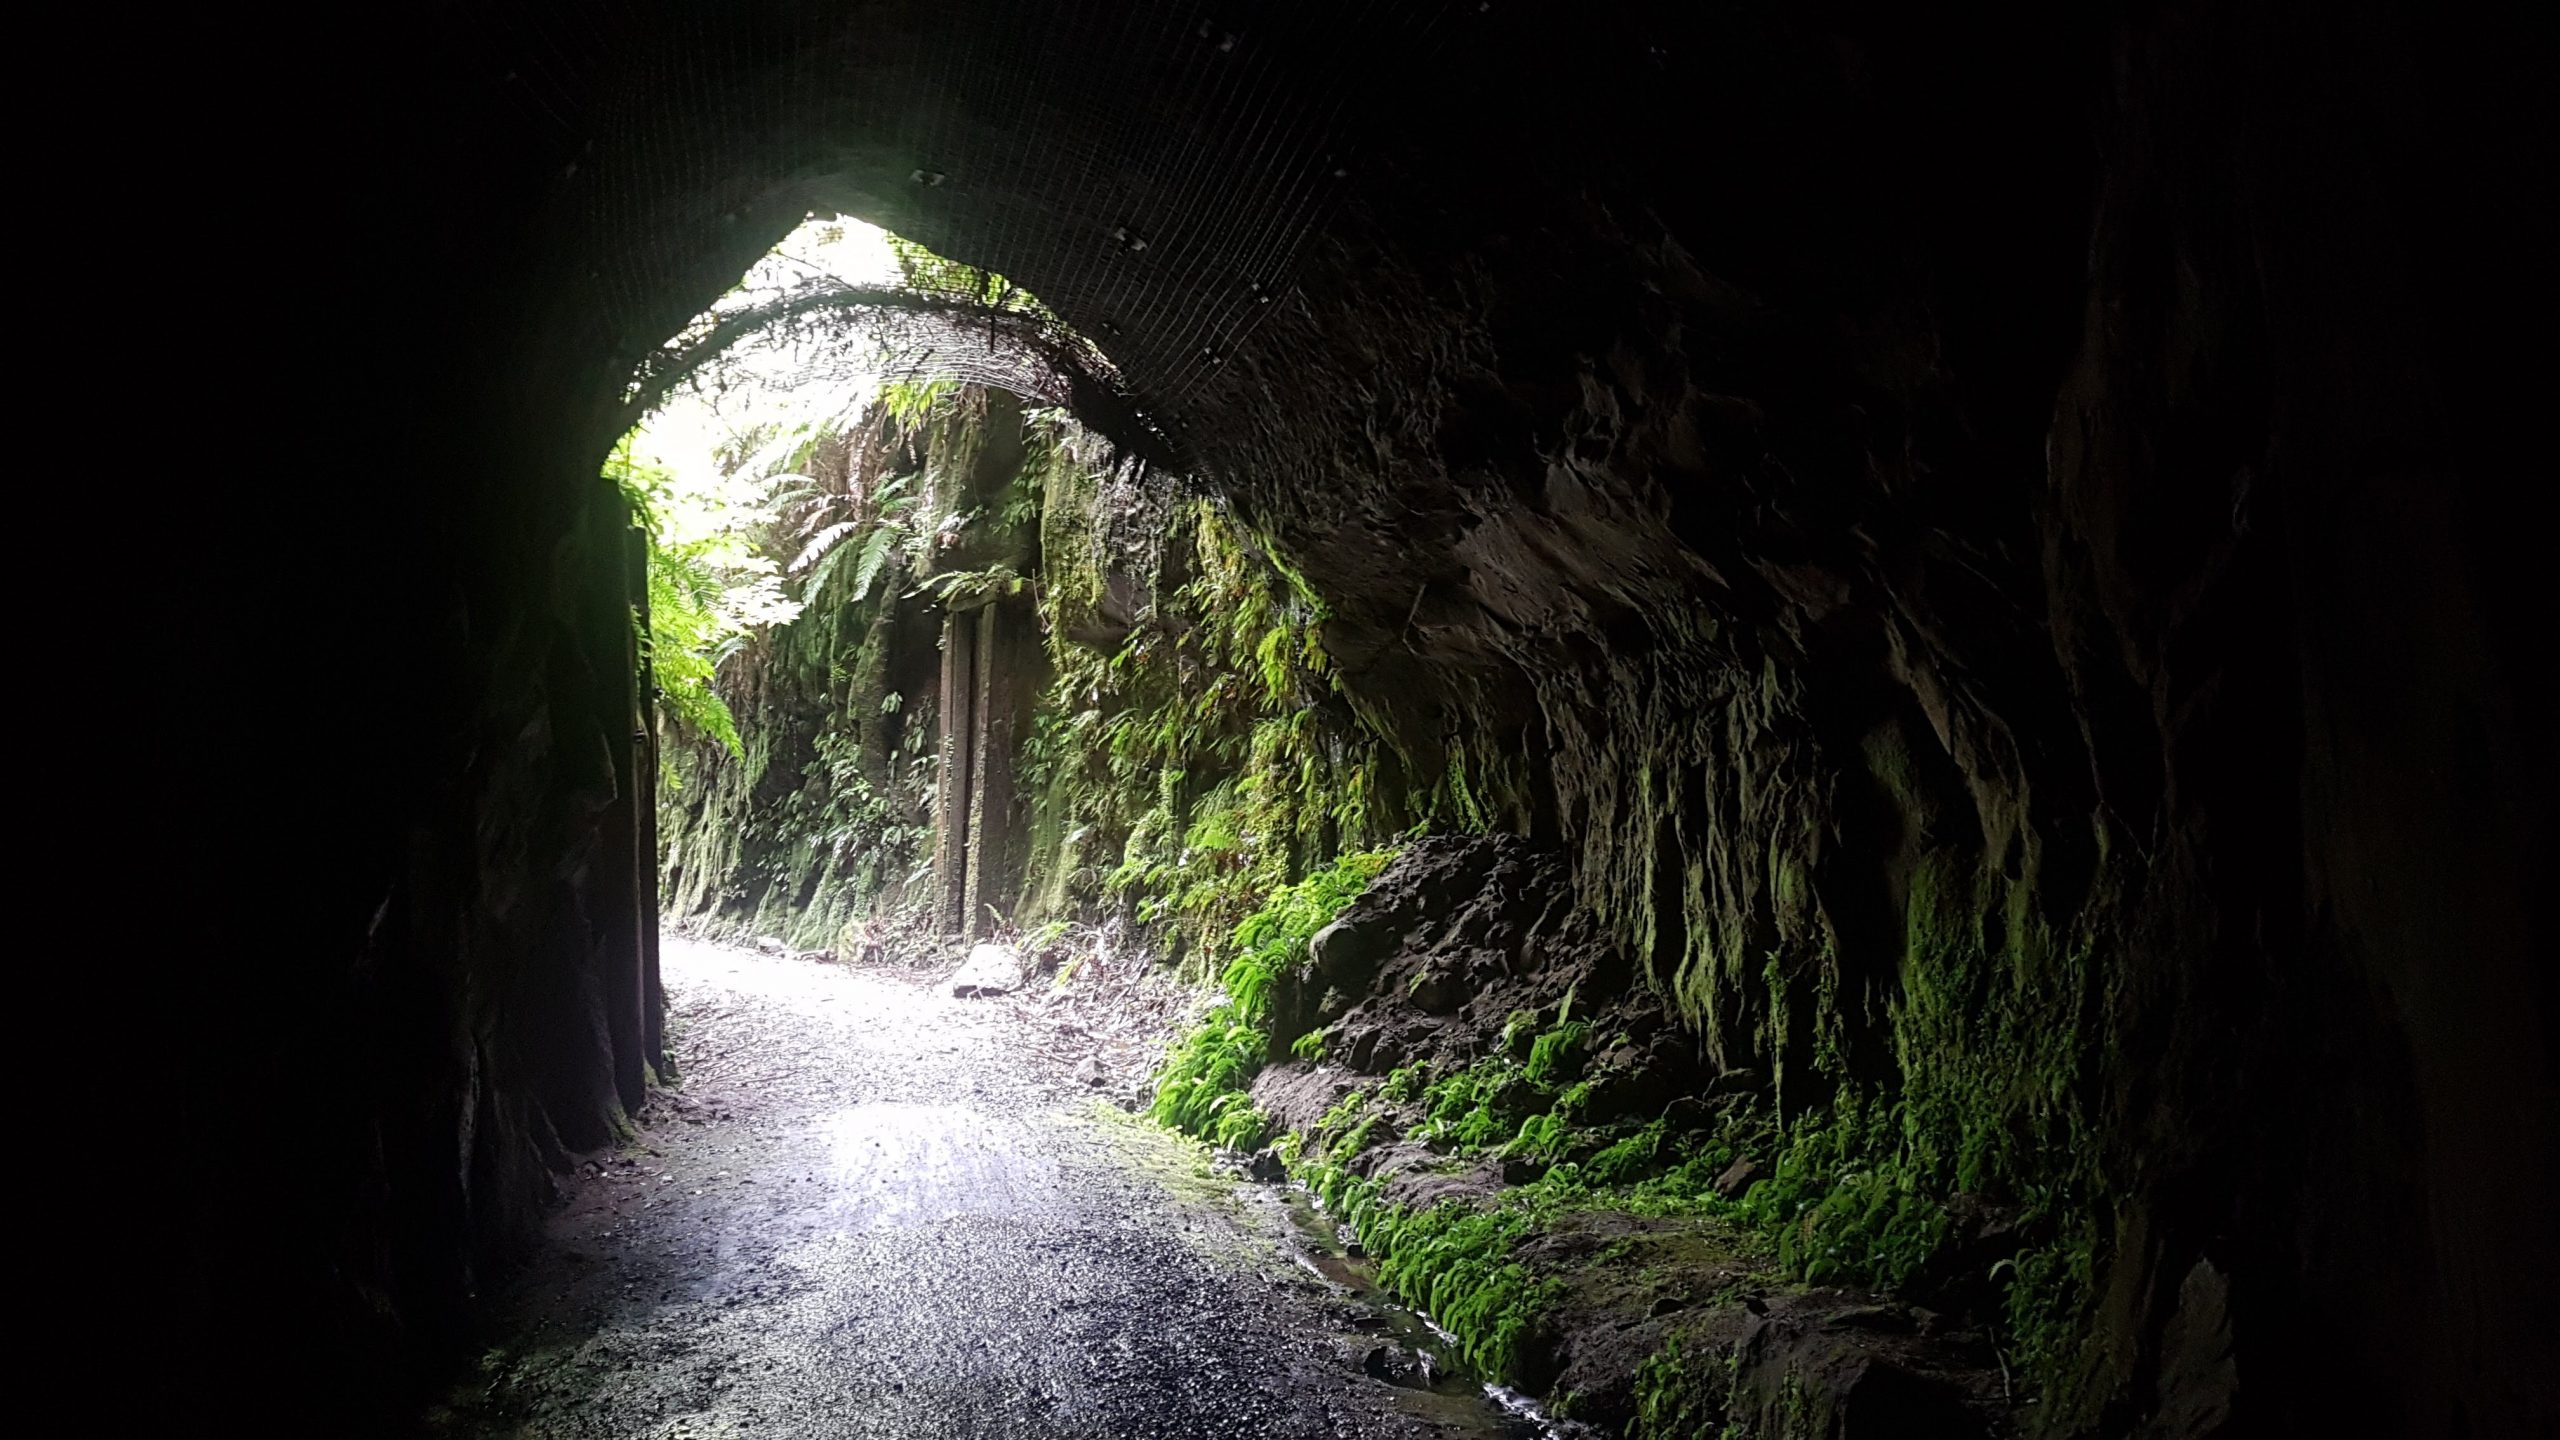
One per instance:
[(874, 1210)]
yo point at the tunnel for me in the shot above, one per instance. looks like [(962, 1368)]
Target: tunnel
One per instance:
[(1991, 550)]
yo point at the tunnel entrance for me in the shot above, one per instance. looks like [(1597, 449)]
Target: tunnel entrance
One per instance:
[(1882, 644), (871, 460), (969, 680)]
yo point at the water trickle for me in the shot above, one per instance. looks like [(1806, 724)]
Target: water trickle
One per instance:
[(1457, 1394)]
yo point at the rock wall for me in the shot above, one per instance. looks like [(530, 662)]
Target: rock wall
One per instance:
[(830, 819), (1977, 599), (1988, 542)]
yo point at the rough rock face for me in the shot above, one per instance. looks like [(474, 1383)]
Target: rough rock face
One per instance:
[(1430, 967), (1463, 947), (1452, 939), (1985, 545), (2002, 660)]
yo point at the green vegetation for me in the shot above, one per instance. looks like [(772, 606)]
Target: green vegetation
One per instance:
[(1202, 763), (707, 591), (1202, 1089), (1848, 1192), (1684, 1397), (1190, 752), (819, 826), (1451, 1259)]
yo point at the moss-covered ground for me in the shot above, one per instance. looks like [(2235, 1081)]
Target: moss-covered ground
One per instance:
[(1857, 1191)]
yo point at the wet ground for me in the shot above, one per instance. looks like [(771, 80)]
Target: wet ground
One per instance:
[(875, 1210)]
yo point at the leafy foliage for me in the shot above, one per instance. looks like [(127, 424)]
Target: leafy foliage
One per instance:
[(825, 826), (1206, 759), (1202, 1088), (707, 591)]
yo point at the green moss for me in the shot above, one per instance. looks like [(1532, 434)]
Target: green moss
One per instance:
[(1458, 1109), (1555, 1051), (1405, 1082), (1630, 1157), (1680, 1398), (1455, 1262), (1204, 762)]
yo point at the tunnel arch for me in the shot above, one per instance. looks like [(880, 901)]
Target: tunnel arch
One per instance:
[(1790, 460), (1152, 171)]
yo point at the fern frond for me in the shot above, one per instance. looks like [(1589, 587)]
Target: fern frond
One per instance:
[(820, 543), (876, 548)]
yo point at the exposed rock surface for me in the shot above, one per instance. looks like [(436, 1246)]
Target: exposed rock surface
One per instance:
[(1494, 916), (1988, 544), (990, 970)]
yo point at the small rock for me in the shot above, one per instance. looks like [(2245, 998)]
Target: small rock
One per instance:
[(1347, 953), (1667, 1305), (1870, 1317), (1436, 991), (1737, 1177), (1393, 1365), (1088, 1070), (1516, 1099), (1363, 1051), (989, 970)]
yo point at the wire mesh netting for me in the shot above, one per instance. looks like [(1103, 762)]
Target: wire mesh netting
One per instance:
[(1151, 170)]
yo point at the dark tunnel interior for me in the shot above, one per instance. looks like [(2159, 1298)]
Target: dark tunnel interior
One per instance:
[(1991, 548)]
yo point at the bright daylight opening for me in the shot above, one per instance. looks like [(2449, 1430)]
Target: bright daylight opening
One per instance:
[(1003, 785), (1391, 719)]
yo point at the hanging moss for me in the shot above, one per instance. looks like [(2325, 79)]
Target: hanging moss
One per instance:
[(1193, 755)]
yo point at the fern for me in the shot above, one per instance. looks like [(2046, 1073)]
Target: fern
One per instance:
[(686, 635), (876, 549), (821, 541)]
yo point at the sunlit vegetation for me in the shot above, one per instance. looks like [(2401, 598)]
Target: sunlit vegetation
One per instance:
[(709, 589), (1192, 766), (822, 825), (1187, 757)]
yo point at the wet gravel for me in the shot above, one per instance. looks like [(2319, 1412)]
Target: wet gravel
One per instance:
[(875, 1210)]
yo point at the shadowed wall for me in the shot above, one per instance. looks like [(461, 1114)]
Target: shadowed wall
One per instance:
[(1967, 532)]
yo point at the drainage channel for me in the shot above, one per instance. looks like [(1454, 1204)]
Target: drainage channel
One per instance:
[(1412, 1350)]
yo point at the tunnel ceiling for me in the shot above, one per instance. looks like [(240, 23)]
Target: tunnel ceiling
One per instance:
[(1983, 540), (1151, 171)]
